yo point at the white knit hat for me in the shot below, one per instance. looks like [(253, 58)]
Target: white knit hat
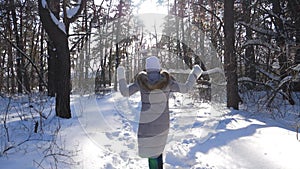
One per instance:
[(152, 63)]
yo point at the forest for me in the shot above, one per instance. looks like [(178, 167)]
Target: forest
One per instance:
[(44, 44), (53, 51)]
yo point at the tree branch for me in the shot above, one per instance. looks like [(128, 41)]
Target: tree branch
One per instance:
[(26, 56)]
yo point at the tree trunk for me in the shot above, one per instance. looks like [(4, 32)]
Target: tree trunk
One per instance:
[(2, 70), (279, 27), (23, 40), (51, 68), (229, 56), (41, 60), (11, 85), (249, 52), (63, 78), (87, 47), (58, 33), (19, 56), (295, 8), (117, 65), (52, 56), (60, 40)]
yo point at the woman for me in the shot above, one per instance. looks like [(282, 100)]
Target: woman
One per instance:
[(155, 86)]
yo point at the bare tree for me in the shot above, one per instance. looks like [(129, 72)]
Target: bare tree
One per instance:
[(249, 51), (58, 33), (22, 76), (229, 57)]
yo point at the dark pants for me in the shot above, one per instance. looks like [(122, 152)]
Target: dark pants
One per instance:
[(156, 163)]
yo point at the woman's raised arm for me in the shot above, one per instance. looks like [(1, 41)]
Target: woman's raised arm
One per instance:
[(125, 89)]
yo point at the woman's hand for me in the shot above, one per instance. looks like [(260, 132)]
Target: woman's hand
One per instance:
[(197, 71), (121, 72)]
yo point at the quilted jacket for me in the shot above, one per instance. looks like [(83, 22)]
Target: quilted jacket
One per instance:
[(155, 88)]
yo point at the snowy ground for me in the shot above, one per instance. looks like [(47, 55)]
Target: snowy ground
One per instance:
[(102, 135)]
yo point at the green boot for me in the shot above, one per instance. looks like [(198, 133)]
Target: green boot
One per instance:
[(156, 163)]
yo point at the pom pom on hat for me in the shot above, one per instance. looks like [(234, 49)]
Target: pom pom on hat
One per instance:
[(152, 63)]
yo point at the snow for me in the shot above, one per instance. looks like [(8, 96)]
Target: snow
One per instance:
[(258, 29), (60, 25), (102, 134), (44, 4), (269, 75), (285, 80), (73, 11), (296, 68)]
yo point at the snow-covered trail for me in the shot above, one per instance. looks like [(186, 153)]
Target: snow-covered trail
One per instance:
[(108, 141), (110, 123), (106, 136)]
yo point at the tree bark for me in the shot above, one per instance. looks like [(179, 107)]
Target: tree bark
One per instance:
[(52, 57), (51, 68), (59, 35), (249, 51), (60, 40), (2, 58), (11, 85), (19, 67), (280, 39), (229, 57), (294, 7), (41, 60)]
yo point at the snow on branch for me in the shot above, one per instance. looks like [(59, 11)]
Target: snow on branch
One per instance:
[(296, 68), (75, 11), (246, 79), (72, 12), (271, 76), (275, 89), (260, 43), (284, 93), (59, 24), (258, 29), (44, 4), (285, 80)]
